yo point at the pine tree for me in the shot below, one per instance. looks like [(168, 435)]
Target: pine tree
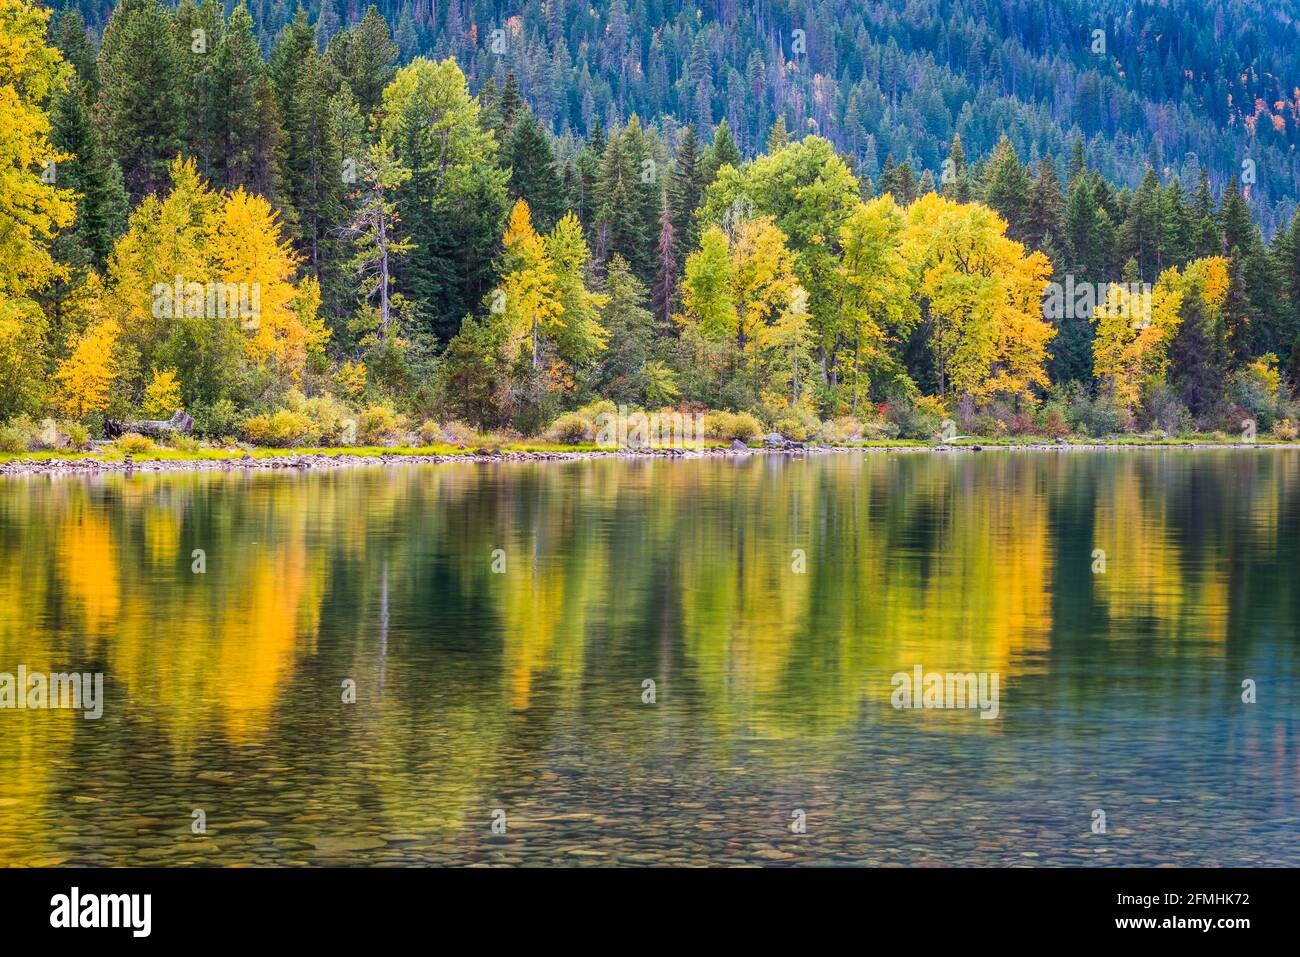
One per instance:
[(533, 175), (1078, 162), (685, 190), (1198, 359), (241, 157), (722, 152), (72, 40), (625, 217), (508, 107), (92, 175), (778, 138), (364, 57), (954, 182), (665, 287), (374, 234), (1044, 226), (316, 173), (1207, 239), (406, 37), (140, 94), (1007, 187)]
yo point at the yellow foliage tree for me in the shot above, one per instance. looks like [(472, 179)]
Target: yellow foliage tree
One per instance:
[(87, 374), (530, 294), (162, 396), (1134, 328), (256, 265), (32, 210), (981, 299)]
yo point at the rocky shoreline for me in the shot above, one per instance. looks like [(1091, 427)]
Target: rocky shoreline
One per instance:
[(89, 465)]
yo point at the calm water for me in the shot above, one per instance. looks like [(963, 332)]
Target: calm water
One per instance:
[(522, 691)]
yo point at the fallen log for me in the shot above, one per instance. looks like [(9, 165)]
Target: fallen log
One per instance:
[(154, 428)]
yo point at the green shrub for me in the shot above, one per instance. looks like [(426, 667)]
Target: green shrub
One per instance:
[(78, 436), (184, 443), (217, 420), (912, 420), (14, 438)]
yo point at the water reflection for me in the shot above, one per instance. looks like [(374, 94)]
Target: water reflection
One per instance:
[(770, 601)]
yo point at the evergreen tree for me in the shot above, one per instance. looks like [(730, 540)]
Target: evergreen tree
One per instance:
[(1007, 187), (140, 94), (533, 175), (621, 373), (316, 174), (242, 156), (72, 40), (778, 138), (626, 201), (1198, 357), (1044, 226), (1207, 240), (685, 190), (723, 151), (954, 182), (364, 57), (665, 287)]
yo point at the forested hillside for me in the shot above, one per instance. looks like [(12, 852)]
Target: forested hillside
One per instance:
[(306, 231), (1175, 86)]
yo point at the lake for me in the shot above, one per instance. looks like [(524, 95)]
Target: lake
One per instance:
[(661, 662)]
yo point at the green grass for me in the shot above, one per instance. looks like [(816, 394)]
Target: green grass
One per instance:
[(162, 453)]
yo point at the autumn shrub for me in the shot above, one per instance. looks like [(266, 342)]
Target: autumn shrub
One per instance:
[(377, 424), (844, 428), (797, 423), (280, 429), (730, 426), (331, 417), (571, 428), (458, 433), (133, 443), (1284, 430), (1051, 422), (430, 433), (1259, 391)]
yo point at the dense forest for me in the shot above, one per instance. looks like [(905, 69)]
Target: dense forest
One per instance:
[(317, 226)]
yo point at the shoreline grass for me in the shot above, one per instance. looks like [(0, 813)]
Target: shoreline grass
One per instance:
[(111, 454)]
